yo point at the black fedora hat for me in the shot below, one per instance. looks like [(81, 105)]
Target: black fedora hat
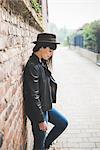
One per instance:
[(46, 38)]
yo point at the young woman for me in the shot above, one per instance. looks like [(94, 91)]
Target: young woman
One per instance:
[(40, 92)]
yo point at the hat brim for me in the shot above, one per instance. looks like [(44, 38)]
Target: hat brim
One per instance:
[(35, 42)]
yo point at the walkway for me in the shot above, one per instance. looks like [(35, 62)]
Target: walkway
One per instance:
[(79, 99)]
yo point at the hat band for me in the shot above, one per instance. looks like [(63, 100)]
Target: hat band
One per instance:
[(46, 40)]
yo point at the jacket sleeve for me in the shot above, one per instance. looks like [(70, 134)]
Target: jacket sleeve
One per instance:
[(34, 91)]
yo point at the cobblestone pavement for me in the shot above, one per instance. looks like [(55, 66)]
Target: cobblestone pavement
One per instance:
[(78, 99)]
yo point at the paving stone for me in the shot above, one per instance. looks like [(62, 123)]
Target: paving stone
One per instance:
[(78, 98)]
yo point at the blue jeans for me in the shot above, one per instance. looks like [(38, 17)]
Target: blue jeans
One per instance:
[(41, 141)]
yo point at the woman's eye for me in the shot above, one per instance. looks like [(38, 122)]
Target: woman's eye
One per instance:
[(50, 51)]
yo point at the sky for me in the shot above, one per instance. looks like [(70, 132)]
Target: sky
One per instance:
[(73, 13)]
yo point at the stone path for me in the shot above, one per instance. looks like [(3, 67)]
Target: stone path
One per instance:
[(78, 99)]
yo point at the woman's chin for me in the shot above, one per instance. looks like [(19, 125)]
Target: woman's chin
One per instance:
[(46, 58)]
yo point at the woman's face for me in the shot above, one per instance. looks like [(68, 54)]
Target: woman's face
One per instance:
[(46, 53)]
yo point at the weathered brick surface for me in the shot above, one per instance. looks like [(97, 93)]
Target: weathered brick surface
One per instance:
[(16, 36)]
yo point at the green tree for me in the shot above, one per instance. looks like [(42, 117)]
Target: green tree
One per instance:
[(91, 34), (36, 6)]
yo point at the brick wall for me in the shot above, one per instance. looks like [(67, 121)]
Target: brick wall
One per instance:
[(16, 36)]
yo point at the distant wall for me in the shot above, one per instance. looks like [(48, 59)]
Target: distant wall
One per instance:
[(94, 57)]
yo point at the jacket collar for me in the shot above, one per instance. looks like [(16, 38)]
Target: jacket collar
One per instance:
[(35, 58)]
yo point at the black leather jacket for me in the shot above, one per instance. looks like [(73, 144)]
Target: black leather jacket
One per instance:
[(37, 89)]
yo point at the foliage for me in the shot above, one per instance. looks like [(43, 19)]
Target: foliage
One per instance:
[(62, 34), (36, 6), (91, 34), (66, 41)]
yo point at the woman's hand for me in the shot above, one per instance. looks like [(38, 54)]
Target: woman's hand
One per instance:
[(43, 126)]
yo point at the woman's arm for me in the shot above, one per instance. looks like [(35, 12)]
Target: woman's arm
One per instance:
[(34, 91)]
